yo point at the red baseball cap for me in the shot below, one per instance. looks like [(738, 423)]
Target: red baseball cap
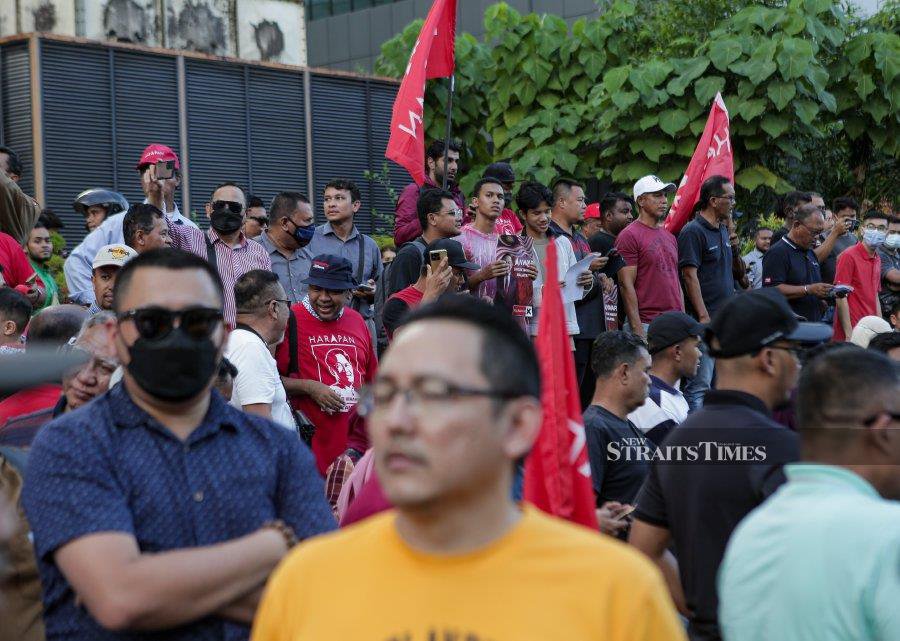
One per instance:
[(157, 153), (592, 211)]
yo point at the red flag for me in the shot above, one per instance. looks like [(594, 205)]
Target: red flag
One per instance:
[(432, 57), (712, 157), (557, 472)]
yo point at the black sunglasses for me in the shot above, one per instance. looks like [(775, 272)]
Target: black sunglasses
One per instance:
[(261, 221), (234, 207), (154, 323)]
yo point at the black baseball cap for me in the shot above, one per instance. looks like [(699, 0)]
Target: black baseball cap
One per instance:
[(748, 322), (331, 272), (671, 327), (456, 256), (501, 171)]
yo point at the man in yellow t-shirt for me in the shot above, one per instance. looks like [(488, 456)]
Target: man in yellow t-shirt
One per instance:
[(454, 405)]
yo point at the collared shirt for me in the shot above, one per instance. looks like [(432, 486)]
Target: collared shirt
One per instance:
[(290, 271), (753, 261), (77, 267), (706, 247), (665, 408), (701, 504), (124, 472), (326, 241), (818, 561), (789, 264), (862, 271), (231, 262)]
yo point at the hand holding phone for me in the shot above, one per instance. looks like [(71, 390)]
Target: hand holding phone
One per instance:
[(435, 257), (165, 169)]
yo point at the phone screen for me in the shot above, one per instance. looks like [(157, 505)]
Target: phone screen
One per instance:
[(165, 169)]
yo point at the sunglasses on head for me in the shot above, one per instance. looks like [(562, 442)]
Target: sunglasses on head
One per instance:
[(235, 208), (154, 323)]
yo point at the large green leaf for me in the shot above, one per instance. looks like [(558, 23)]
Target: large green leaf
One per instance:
[(887, 56), (594, 61), (765, 17), (632, 170), (756, 176), (794, 57), (858, 49), (649, 121), (723, 52), (793, 23), (878, 108), (690, 71), (673, 121), (789, 148), (655, 148), (615, 78), (828, 100), (638, 80), (656, 71), (864, 85), (750, 109), (818, 77), (854, 126), (755, 70), (581, 87), (568, 124), (705, 89), (567, 161), (775, 125), (806, 110), (781, 93), (527, 94), (624, 99)]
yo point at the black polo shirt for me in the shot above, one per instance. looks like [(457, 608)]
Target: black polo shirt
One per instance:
[(788, 264), (707, 248), (614, 476), (701, 503)]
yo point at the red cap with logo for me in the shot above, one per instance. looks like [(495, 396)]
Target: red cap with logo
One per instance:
[(157, 153), (592, 211)]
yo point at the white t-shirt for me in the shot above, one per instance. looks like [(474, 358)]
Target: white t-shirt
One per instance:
[(257, 380)]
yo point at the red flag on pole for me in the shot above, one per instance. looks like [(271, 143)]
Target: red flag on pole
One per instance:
[(712, 157), (432, 57), (557, 472)]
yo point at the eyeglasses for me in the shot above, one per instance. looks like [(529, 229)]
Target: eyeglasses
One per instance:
[(872, 227), (155, 323), (421, 393), (731, 198), (263, 222), (280, 300), (234, 207)]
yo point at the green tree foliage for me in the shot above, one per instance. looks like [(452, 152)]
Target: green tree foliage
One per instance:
[(813, 93)]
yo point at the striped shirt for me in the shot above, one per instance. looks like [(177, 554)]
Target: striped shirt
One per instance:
[(231, 262)]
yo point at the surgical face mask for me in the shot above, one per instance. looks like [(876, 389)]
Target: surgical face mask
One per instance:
[(892, 241), (873, 237), (303, 235)]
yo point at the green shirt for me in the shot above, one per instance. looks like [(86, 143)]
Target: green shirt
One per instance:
[(818, 561), (49, 285)]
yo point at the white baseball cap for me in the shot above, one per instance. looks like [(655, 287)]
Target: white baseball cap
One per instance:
[(113, 255), (651, 184)]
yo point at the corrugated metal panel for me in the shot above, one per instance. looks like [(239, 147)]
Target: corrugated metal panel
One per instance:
[(381, 103), (15, 107), (217, 129), (277, 132), (77, 132), (340, 135), (146, 111)]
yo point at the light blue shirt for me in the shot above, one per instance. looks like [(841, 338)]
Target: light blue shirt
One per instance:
[(326, 242), (77, 267), (818, 561)]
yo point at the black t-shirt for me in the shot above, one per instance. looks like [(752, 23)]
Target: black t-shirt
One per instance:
[(789, 264), (602, 242), (707, 248), (394, 311), (609, 442), (701, 504), (406, 267)]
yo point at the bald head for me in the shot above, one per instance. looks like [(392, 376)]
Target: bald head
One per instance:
[(54, 326)]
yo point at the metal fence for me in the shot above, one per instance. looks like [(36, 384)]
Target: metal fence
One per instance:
[(79, 113)]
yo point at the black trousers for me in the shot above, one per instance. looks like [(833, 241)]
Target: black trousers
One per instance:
[(584, 373)]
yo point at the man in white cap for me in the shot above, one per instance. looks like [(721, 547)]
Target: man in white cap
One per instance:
[(106, 264), (649, 281)]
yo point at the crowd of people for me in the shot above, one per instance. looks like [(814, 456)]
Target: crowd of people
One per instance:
[(229, 390)]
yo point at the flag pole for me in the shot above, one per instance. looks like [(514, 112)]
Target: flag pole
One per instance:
[(449, 127)]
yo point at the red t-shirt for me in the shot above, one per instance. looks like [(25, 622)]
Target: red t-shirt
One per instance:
[(16, 268), (655, 254), (29, 400), (338, 354), (863, 273)]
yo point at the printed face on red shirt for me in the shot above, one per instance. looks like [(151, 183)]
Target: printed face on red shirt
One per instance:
[(327, 303)]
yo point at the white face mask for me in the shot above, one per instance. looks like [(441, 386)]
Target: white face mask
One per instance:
[(892, 241)]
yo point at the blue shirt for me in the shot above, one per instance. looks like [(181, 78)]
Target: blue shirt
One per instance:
[(818, 561), (707, 248), (789, 264), (110, 467), (327, 242)]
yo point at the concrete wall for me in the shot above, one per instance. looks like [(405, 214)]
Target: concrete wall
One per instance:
[(352, 41)]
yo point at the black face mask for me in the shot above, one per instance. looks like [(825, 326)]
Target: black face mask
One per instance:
[(303, 235), (174, 368), (226, 222)]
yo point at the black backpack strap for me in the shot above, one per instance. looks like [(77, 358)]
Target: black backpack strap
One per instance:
[(293, 357), (211, 255)]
